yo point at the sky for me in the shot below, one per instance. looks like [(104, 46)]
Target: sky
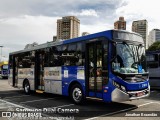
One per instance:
[(27, 21)]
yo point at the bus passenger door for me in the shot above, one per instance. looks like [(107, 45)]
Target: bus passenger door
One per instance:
[(39, 71), (95, 68)]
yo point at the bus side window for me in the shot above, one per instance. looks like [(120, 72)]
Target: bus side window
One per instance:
[(59, 53), (80, 54), (69, 55), (72, 56), (46, 57)]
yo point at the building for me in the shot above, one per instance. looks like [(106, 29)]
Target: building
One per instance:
[(141, 27), (120, 24), (68, 27), (54, 38), (154, 35), (59, 28)]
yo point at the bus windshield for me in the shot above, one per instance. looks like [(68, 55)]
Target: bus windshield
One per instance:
[(5, 67), (129, 59)]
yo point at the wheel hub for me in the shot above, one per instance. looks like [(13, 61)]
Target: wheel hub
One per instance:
[(26, 88), (77, 94)]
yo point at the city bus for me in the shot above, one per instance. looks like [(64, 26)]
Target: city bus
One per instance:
[(153, 61), (4, 69), (108, 66)]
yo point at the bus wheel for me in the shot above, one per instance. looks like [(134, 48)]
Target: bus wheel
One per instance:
[(26, 87), (76, 94)]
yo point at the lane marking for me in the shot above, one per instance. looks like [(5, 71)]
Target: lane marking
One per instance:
[(116, 112), (15, 96), (145, 104), (37, 100)]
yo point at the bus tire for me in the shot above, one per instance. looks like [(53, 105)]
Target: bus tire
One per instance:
[(26, 87), (76, 94)]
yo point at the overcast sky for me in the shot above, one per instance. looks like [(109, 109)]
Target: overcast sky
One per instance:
[(27, 21)]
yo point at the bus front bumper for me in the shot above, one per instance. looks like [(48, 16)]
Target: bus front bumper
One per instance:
[(120, 96)]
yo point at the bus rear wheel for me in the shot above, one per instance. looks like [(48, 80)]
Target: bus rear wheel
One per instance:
[(27, 88), (76, 94)]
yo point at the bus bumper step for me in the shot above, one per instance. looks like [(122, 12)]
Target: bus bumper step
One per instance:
[(39, 91)]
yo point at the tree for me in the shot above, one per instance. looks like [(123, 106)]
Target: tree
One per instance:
[(154, 46)]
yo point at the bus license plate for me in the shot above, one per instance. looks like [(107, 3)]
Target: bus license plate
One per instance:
[(140, 94)]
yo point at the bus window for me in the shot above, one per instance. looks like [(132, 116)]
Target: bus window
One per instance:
[(52, 59), (80, 54), (58, 53), (71, 55), (68, 55), (46, 57)]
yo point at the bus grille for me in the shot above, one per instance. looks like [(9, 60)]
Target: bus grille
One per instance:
[(136, 79)]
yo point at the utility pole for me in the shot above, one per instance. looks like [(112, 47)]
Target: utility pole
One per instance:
[(1, 53)]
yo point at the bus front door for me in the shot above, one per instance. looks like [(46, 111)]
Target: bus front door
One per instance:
[(94, 69)]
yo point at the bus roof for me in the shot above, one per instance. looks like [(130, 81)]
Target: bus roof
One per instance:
[(107, 34), (82, 38)]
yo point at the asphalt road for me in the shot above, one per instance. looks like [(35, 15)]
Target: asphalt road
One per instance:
[(13, 99)]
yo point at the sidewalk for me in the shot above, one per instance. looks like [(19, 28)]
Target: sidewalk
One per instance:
[(4, 86)]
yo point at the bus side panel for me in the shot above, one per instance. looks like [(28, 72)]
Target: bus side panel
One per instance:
[(107, 97), (53, 80), (72, 74), (26, 73), (116, 95)]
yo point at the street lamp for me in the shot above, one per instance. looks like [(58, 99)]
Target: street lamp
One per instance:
[(1, 52)]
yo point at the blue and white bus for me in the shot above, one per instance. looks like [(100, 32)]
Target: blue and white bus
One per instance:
[(153, 61), (109, 65), (4, 69)]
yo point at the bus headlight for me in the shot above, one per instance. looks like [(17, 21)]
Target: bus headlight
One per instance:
[(116, 84), (123, 88)]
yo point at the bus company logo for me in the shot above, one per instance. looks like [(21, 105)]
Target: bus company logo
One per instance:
[(8, 113)]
